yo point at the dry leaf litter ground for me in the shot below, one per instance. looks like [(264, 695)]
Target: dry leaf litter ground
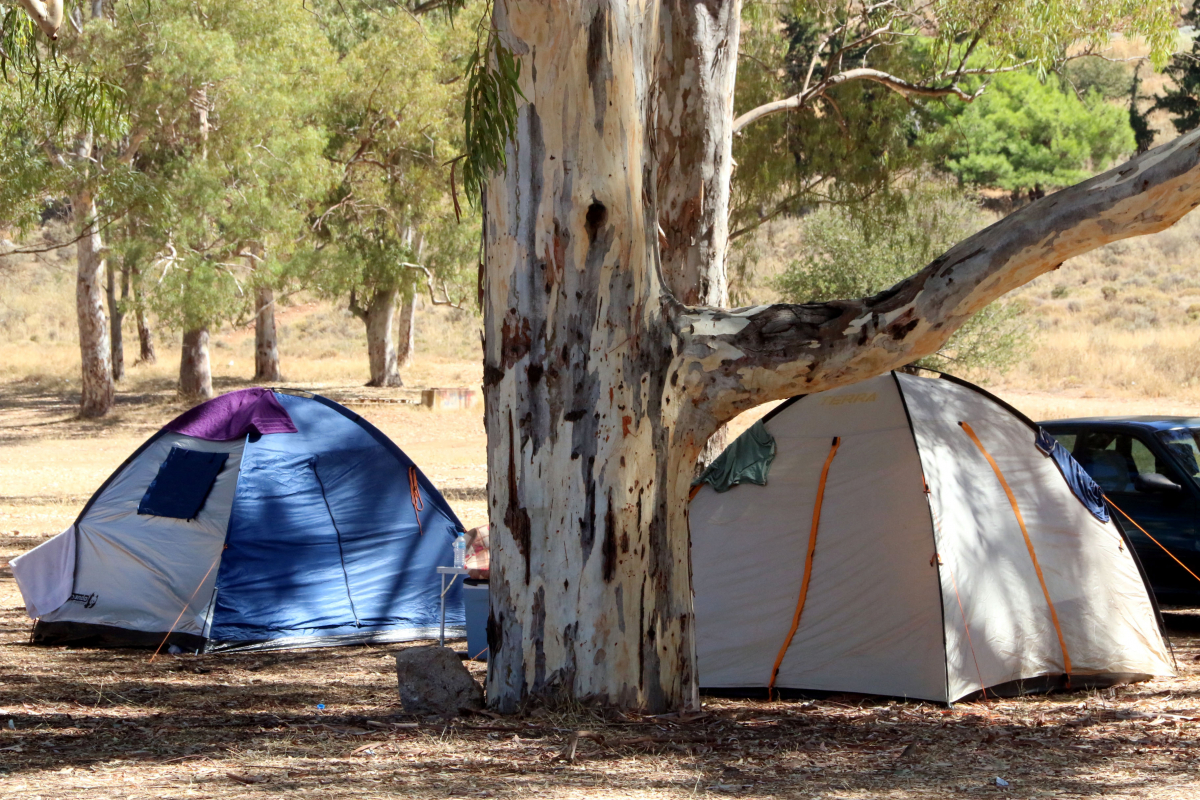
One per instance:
[(111, 724)]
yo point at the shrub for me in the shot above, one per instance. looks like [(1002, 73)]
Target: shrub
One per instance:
[(845, 255)]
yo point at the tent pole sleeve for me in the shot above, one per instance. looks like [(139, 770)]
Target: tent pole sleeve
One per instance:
[(808, 563), (1151, 538), (1012, 499)]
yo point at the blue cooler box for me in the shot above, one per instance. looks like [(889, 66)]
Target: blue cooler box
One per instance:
[(475, 598)]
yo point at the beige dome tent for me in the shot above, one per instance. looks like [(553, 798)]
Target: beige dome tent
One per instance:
[(912, 540)]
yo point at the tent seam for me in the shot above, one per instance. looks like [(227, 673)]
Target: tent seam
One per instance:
[(341, 553), (933, 531)]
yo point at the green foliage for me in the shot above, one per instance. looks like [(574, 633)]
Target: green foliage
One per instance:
[(220, 204), (847, 147), (1024, 133), (849, 143), (490, 111), (1139, 121), (1182, 101), (1112, 80), (849, 255), (391, 121), (57, 89)]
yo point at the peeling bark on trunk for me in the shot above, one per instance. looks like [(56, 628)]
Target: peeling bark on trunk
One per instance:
[(406, 331), (694, 144), (195, 371), (266, 345), (117, 318), (601, 389), (97, 376), (590, 585), (380, 319)]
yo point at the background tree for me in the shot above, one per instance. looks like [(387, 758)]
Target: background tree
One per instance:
[(1182, 99), (1024, 133), (63, 129), (601, 387), (222, 104), (383, 236)]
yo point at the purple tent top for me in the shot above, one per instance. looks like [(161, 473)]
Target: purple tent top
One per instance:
[(233, 415)]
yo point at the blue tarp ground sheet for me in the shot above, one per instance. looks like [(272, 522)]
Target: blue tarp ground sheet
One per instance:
[(182, 484), (323, 538)]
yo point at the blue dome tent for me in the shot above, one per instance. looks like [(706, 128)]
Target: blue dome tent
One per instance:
[(256, 520)]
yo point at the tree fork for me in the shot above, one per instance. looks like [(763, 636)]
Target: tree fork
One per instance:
[(601, 388)]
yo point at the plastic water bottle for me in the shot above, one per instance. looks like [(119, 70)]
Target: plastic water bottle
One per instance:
[(460, 551)]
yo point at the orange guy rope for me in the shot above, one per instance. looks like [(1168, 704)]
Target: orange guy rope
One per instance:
[(808, 562), (1012, 499), (186, 605), (1151, 538)]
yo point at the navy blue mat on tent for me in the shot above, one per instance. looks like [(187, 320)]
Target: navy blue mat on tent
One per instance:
[(182, 484)]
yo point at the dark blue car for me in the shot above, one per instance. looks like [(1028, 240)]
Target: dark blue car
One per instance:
[(1148, 467)]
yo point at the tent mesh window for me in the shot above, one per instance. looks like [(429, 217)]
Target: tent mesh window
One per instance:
[(182, 484)]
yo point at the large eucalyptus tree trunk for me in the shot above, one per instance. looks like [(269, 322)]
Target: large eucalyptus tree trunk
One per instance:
[(601, 387), (195, 369), (97, 376), (266, 342), (380, 319)]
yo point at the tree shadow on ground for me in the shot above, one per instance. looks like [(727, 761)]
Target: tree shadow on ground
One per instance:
[(249, 723)]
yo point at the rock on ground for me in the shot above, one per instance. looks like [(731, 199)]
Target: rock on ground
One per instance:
[(433, 680)]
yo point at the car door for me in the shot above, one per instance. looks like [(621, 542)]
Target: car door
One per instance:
[(1119, 460)]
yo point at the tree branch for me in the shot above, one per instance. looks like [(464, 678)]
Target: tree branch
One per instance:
[(445, 301), (898, 85), (734, 360), (355, 308), (47, 15)]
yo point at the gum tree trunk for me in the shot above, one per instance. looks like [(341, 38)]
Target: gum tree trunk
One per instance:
[(195, 370), (601, 388), (590, 592), (694, 144), (117, 318), (406, 331), (697, 72), (97, 374), (266, 344), (380, 319), (146, 353)]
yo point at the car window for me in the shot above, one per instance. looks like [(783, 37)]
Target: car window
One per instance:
[(1113, 459), (1067, 440), (1182, 444)]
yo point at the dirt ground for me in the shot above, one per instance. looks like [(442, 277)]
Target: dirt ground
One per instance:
[(111, 724)]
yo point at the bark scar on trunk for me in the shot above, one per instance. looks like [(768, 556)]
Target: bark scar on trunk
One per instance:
[(599, 67), (516, 517)]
